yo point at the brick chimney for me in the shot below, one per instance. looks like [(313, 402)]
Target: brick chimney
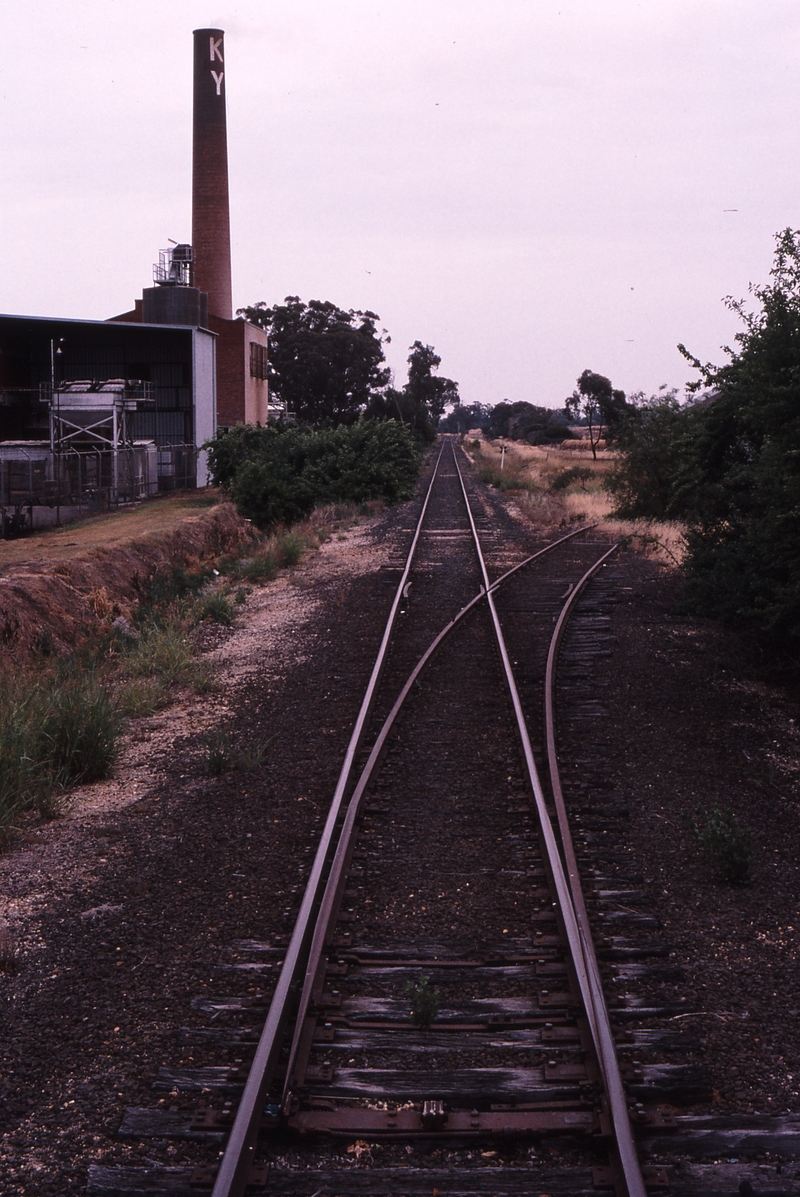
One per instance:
[(211, 225)]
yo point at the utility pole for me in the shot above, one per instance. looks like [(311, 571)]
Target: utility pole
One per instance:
[(55, 441)]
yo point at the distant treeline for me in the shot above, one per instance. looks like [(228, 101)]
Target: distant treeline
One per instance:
[(518, 421)]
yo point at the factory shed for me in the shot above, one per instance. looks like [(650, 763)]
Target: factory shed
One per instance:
[(95, 413), (241, 359), (40, 356)]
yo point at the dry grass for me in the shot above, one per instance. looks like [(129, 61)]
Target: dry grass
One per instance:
[(533, 475), (58, 726)]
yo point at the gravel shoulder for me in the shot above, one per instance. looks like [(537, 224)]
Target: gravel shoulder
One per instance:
[(691, 729)]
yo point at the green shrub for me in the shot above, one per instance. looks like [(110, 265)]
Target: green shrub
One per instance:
[(221, 756), (163, 653), (290, 548), (253, 756), (202, 678), (489, 474), (727, 844), (55, 731), (51, 797), (654, 443), (728, 465), (216, 607), (261, 568), (142, 696), (271, 495), (374, 459), (277, 475), (22, 774), (7, 825), (79, 730), (229, 567), (227, 451), (166, 585), (503, 480), (217, 753)]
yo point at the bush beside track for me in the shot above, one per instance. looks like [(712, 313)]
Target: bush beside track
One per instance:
[(279, 474)]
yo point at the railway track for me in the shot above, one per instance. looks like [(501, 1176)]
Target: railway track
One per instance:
[(448, 863)]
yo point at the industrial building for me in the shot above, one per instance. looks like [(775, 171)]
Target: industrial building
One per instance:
[(96, 412), (193, 282)]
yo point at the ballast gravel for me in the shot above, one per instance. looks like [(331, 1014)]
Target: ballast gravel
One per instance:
[(125, 909)]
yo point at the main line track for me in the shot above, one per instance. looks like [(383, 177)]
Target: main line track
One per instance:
[(443, 855)]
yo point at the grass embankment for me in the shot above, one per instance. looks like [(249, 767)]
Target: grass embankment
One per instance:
[(153, 518), (557, 486), (62, 712)]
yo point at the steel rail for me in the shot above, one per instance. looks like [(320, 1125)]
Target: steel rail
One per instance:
[(588, 978), (607, 1057), (568, 848), (239, 1153), (240, 1149), (334, 890)]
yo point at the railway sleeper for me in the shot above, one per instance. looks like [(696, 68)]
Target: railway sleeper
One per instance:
[(475, 1087), (684, 1180), (429, 1118), (647, 1084), (661, 1133)]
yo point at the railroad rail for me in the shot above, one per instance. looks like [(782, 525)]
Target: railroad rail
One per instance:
[(579, 1092), (320, 913)]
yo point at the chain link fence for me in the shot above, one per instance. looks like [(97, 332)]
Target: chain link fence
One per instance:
[(40, 488)]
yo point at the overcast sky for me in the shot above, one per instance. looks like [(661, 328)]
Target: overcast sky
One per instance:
[(532, 187)]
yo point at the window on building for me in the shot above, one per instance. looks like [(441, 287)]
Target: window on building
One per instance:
[(258, 360)]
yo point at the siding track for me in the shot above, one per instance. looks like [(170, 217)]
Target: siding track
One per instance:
[(444, 856)]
